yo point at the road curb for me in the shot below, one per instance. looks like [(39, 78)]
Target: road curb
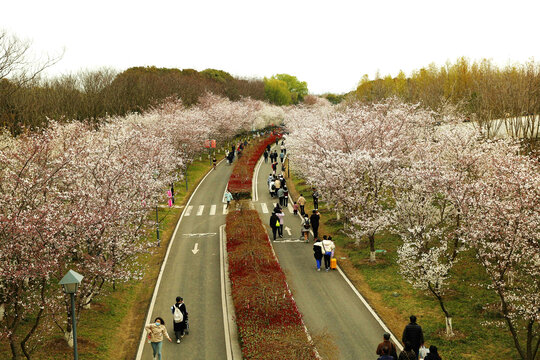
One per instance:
[(234, 351)]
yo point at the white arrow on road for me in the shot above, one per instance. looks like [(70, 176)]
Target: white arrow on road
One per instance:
[(195, 249), (288, 230)]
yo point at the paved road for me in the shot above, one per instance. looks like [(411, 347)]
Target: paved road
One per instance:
[(325, 299), (196, 276)]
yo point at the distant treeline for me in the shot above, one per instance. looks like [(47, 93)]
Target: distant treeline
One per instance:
[(92, 95), (479, 89)]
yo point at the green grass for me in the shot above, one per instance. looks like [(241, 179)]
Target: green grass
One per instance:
[(111, 328), (395, 300)]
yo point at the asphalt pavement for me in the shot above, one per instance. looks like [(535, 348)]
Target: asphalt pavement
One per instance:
[(326, 300), (193, 271)]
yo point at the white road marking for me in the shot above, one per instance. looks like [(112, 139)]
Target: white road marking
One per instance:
[(288, 230), (289, 241), (213, 210), (199, 234), (264, 208), (225, 210), (195, 249), (188, 210), (289, 206), (200, 210)]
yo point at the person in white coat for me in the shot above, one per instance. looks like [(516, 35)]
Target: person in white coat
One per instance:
[(328, 250)]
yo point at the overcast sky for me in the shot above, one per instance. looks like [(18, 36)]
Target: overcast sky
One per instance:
[(328, 44)]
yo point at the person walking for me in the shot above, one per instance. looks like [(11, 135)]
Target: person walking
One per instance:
[(265, 156), (385, 354), (156, 331), (228, 197), (328, 249), (274, 224), (301, 202), (390, 345), (315, 196), (281, 196), (317, 253), (272, 188), (180, 318), (281, 216), (270, 178), (413, 333), (305, 227), (285, 196), (314, 219), (274, 167), (407, 353), (277, 183), (214, 162), (433, 353), (281, 156), (295, 208)]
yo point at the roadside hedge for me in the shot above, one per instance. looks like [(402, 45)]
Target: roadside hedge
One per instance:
[(269, 323)]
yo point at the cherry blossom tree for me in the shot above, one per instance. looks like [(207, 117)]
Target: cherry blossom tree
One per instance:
[(503, 226), (350, 154)]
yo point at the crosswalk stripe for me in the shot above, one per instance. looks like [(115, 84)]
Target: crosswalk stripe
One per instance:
[(213, 210), (188, 210), (200, 210), (264, 208), (225, 211)]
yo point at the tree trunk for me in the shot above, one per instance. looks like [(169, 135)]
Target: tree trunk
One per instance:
[(372, 257), (2, 311), (337, 215), (449, 329), (68, 335)]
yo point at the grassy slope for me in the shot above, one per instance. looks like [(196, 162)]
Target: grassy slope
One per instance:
[(395, 300)]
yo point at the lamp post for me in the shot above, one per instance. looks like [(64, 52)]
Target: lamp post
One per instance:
[(70, 282)]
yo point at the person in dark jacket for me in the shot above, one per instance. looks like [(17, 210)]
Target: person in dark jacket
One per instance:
[(314, 219), (413, 333), (433, 354), (180, 327), (407, 353), (317, 253), (265, 156), (390, 345), (274, 224)]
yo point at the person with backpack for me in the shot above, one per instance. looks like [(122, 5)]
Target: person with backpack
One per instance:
[(328, 250), (274, 224), (305, 227), (317, 253), (180, 318), (389, 344)]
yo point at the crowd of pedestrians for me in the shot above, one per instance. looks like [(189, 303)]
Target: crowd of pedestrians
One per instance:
[(413, 339)]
